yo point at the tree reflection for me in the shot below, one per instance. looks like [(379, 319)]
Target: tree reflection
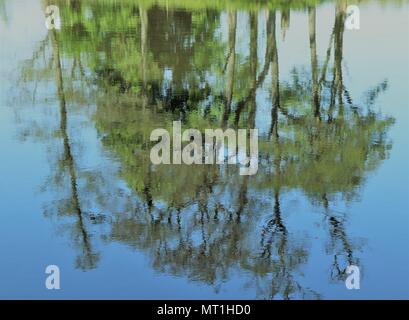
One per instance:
[(201, 222), (87, 259)]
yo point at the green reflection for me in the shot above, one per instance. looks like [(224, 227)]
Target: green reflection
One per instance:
[(145, 64)]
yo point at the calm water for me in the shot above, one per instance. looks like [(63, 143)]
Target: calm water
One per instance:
[(78, 190)]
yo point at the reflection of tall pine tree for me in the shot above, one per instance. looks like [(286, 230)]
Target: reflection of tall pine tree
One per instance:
[(314, 63), (252, 106), (88, 258), (230, 65), (275, 84), (144, 52)]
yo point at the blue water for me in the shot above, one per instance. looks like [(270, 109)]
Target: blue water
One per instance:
[(35, 231)]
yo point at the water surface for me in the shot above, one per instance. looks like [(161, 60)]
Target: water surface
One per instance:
[(78, 190)]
